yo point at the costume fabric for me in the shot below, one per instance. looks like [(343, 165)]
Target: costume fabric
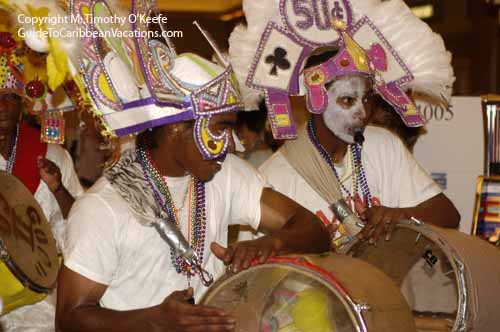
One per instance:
[(394, 176), (107, 243)]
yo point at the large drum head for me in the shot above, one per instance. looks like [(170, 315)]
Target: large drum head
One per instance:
[(443, 273), (26, 243), (307, 294)]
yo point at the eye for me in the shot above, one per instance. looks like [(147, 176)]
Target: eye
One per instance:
[(346, 101)]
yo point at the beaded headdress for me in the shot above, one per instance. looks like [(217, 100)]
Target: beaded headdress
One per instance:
[(132, 81), (381, 39), (33, 65)]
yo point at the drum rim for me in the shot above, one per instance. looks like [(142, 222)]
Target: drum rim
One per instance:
[(20, 275), (423, 229), (301, 263), (8, 260)]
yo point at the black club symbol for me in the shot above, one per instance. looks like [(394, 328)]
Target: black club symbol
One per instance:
[(278, 60)]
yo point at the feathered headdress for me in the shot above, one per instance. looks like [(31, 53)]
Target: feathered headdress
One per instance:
[(139, 83), (270, 52), (34, 63)]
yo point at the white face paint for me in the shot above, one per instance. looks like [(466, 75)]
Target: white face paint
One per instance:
[(345, 109)]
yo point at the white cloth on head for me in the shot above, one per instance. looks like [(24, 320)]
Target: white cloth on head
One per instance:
[(107, 244), (39, 317)]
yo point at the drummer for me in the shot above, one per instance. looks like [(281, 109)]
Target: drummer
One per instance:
[(120, 274), (45, 169), (380, 178)]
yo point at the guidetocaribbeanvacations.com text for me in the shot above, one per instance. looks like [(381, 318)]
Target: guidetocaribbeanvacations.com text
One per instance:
[(97, 33)]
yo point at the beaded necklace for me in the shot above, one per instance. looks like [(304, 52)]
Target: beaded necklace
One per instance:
[(358, 176), (197, 210), (12, 153)]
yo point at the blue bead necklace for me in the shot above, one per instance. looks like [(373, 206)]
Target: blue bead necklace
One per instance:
[(197, 209), (359, 177)]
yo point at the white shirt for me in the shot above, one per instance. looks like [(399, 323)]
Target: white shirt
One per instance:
[(394, 177), (107, 244)]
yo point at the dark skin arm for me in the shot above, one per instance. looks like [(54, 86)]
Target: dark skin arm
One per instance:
[(290, 228), (381, 220), (78, 310), (51, 175)]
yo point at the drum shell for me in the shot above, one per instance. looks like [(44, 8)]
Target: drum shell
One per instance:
[(28, 253), (481, 271), (363, 283)]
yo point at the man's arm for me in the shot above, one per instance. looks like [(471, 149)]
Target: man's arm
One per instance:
[(290, 228), (438, 210), (381, 220), (78, 310), (51, 175), (411, 186)]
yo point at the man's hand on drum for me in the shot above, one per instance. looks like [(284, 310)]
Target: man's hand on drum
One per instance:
[(380, 222), (50, 173), (176, 314), (240, 255)]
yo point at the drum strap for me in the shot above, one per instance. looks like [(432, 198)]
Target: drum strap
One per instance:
[(305, 159), (29, 148)]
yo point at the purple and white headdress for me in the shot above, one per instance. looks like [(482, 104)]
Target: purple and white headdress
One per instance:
[(132, 83), (268, 55), (381, 39)]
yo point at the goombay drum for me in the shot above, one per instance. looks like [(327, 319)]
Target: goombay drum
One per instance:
[(28, 253), (314, 293), (450, 277)]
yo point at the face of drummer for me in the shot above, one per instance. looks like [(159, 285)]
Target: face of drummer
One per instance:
[(179, 143), (11, 106), (348, 107)]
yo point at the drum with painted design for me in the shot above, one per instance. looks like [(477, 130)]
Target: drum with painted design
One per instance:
[(28, 253), (313, 293), (450, 280)]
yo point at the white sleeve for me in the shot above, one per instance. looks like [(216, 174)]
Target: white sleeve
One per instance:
[(63, 160), (280, 175), (246, 191), (90, 246), (414, 185)]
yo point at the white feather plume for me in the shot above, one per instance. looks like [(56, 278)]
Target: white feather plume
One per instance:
[(242, 47), (360, 7), (61, 28), (422, 50), (244, 41)]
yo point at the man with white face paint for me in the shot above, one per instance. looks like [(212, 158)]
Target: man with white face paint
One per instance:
[(383, 187), (336, 156), (346, 112)]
